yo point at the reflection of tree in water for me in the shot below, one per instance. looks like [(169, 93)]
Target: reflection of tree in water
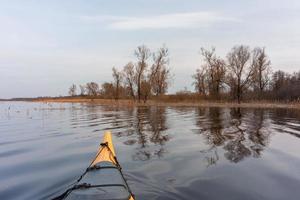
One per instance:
[(235, 147), (216, 126), (149, 125), (139, 127), (157, 122), (211, 127), (258, 134), (116, 118), (240, 135)]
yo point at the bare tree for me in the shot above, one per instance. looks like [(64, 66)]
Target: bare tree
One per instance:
[(278, 80), (107, 90), (129, 78), (199, 81), (159, 73), (215, 68), (210, 77), (72, 90), (262, 70), (286, 86), (142, 53), (240, 70), (82, 89), (117, 76), (145, 90), (92, 89)]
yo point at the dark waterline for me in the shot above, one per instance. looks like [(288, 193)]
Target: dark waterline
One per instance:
[(165, 152)]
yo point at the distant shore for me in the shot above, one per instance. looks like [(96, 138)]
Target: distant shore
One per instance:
[(200, 103)]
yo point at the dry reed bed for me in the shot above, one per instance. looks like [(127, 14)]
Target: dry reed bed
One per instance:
[(125, 102)]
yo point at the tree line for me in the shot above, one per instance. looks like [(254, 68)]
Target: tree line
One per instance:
[(244, 74), (149, 75)]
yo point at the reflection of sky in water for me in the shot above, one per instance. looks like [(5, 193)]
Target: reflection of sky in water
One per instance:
[(166, 152)]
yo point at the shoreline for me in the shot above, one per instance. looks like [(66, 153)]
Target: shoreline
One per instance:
[(185, 103)]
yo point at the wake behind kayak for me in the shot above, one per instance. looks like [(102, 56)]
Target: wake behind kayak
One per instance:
[(102, 180)]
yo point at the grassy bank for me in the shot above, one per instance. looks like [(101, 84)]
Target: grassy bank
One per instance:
[(200, 103)]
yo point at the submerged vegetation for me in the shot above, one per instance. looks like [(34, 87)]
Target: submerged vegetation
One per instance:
[(244, 75)]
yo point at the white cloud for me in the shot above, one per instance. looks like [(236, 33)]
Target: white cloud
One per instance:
[(174, 20)]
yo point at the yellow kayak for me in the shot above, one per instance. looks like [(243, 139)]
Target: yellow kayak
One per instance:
[(103, 179)]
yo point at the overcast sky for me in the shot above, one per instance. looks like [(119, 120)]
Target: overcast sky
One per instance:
[(45, 46)]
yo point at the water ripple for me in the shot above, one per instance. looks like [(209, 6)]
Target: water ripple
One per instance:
[(165, 152)]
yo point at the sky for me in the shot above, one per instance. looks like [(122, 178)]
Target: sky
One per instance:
[(45, 46)]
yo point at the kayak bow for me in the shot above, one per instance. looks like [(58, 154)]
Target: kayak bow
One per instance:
[(103, 179)]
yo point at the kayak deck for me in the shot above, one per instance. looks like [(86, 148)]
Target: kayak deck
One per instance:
[(103, 179), (105, 154)]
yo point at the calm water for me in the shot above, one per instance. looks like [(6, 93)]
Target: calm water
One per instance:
[(166, 152)]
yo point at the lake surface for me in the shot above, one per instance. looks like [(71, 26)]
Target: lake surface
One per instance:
[(165, 152)]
